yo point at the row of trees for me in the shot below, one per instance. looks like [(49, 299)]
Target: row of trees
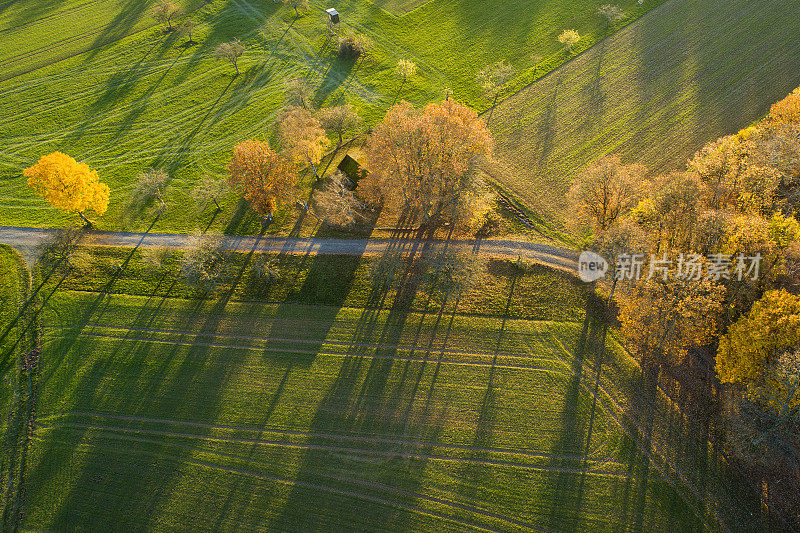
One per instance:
[(736, 198), (423, 162)]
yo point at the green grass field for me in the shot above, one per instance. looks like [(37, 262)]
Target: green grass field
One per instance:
[(288, 417), (329, 399), (13, 289), (123, 104), (655, 92), (384, 411)]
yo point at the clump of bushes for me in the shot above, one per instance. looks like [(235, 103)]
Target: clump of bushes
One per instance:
[(352, 46)]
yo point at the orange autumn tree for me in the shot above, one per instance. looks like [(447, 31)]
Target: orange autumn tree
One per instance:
[(68, 185), (427, 160), (263, 176)]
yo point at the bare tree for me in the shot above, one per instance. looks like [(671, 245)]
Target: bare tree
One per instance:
[(187, 28), (342, 121), (493, 78), (266, 268), (450, 272), (611, 13), (166, 11), (210, 188), (336, 203), (203, 263), (149, 189), (230, 51), (297, 5), (299, 93), (157, 257)]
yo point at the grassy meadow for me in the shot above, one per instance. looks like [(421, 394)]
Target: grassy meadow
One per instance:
[(655, 92), (371, 403), (129, 97), (290, 417), (345, 392)]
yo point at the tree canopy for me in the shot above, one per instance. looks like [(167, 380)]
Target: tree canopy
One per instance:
[(606, 190), (263, 176), (426, 160), (68, 185), (303, 136)]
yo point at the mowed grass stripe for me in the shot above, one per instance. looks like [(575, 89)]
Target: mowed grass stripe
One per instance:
[(655, 92)]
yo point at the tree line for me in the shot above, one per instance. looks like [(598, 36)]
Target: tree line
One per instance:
[(738, 197)]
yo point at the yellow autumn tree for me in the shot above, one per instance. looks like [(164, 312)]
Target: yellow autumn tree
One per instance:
[(68, 185), (303, 136), (760, 351)]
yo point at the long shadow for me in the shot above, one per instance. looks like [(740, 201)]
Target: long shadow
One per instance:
[(565, 491), (369, 397), (191, 377), (476, 472)]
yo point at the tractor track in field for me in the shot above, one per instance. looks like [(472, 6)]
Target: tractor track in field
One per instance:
[(584, 470), (436, 350), (412, 359), (369, 485), (53, 46), (55, 14), (372, 439)]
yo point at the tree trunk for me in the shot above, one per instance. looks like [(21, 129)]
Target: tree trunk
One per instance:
[(85, 220), (216, 203), (236, 66), (314, 169)]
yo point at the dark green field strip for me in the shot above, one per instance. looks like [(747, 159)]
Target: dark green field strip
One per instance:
[(655, 92)]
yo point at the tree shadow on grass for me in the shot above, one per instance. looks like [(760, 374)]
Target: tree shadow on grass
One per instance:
[(372, 395), (180, 380)]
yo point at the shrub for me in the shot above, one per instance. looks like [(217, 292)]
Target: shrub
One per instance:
[(352, 46)]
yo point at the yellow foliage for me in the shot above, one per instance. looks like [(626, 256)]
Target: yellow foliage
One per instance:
[(665, 319), (262, 175), (786, 111), (746, 133), (67, 184), (770, 328)]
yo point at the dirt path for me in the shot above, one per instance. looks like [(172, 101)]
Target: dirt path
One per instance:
[(552, 256)]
